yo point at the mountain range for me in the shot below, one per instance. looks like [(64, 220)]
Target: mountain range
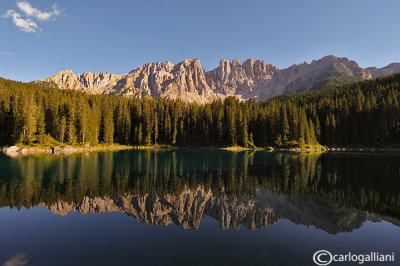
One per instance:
[(189, 82)]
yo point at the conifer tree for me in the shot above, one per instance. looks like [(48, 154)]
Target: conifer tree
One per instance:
[(63, 128), (107, 125), (155, 128), (285, 123)]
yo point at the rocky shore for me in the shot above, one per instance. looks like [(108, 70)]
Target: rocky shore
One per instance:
[(17, 150)]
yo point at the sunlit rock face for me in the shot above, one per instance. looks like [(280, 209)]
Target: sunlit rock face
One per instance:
[(185, 80), (189, 207), (189, 82)]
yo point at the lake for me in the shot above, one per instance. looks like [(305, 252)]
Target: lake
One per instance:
[(198, 207)]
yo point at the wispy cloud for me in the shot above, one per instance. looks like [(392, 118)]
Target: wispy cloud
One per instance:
[(26, 25), (25, 20), (36, 13), (6, 53)]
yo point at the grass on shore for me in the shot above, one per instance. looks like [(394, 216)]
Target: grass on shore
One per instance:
[(155, 147), (50, 143)]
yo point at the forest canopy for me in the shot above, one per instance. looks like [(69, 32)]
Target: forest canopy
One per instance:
[(360, 113)]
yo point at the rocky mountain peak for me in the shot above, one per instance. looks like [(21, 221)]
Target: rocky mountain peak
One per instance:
[(235, 63), (184, 80), (153, 67), (384, 71), (188, 81), (235, 79)]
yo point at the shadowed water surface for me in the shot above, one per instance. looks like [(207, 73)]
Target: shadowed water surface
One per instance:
[(196, 207)]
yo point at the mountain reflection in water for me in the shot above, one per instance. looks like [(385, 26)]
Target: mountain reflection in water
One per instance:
[(335, 192)]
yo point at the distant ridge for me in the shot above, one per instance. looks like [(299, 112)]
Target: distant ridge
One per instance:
[(188, 81)]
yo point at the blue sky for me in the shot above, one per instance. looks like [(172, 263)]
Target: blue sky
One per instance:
[(120, 35)]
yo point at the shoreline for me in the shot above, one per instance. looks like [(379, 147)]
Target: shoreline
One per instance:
[(22, 150)]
